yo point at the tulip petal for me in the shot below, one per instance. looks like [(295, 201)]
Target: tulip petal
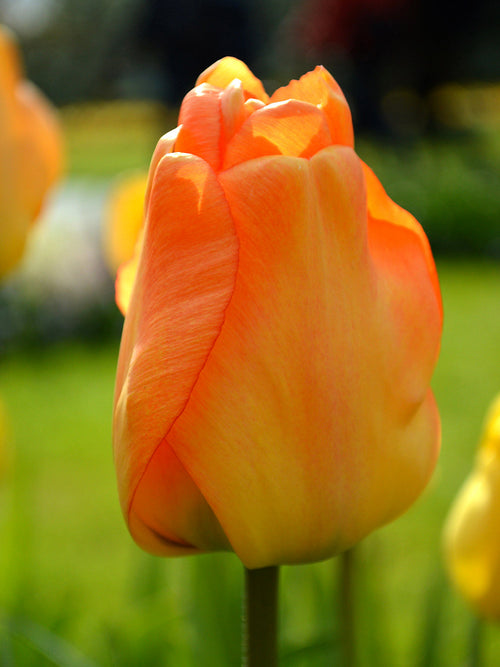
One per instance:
[(186, 277), (295, 432), (472, 547), (200, 124), (289, 128), (382, 208), (320, 88), (166, 144), (225, 70)]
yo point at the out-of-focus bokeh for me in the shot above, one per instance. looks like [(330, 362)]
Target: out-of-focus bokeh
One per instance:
[(423, 82)]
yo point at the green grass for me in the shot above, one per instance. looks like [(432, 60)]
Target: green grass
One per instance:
[(75, 590), (103, 140)]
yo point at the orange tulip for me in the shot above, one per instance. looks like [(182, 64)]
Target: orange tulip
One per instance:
[(472, 532), (283, 323), (30, 153)]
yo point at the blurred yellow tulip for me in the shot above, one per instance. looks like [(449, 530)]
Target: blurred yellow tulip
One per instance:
[(472, 530), (31, 153), (124, 218)]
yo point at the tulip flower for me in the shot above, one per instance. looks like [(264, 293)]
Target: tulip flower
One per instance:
[(30, 153), (124, 218), (283, 320), (472, 530)]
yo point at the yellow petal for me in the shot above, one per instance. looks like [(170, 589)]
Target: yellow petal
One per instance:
[(472, 545), (124, 218), (471, 537)]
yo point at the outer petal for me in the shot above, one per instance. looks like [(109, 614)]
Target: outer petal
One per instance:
[(320, 88), (382, 208), (126, 227), (304, 431), (185, 280), (287, 128), (225, 70)]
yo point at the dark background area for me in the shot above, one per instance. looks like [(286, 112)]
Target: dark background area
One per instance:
[(89, 49)]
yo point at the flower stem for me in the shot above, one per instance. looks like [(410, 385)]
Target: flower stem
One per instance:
[(475, 646), (261, 618), (346, 594)]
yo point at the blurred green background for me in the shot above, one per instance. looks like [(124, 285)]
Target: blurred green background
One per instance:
[(423, 84)]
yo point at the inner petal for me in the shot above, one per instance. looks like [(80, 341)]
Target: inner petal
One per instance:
[(222, 72), (320, 88), (291, 128)]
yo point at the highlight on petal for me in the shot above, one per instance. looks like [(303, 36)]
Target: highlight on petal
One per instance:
[(320, 88), (225, 70), (290, 128), (295, 407), (185, 280), (166, 144)]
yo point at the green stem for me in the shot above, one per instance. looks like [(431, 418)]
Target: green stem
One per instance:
[(261, 618), (347, 633), (476, 643)]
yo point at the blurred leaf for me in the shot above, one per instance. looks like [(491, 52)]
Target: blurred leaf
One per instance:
[(45, 643), (431, 634)]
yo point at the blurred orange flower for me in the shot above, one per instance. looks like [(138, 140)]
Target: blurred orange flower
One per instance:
[(283, 323), (472, 530), (31, 153)]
